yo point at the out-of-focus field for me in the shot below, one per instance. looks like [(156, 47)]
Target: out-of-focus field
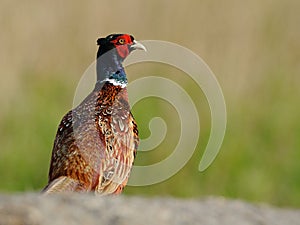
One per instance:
[(253, 47)]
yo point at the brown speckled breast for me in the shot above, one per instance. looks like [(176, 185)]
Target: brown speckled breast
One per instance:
[(95, 145)]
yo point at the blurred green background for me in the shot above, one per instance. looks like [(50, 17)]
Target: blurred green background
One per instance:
[(253, 48)]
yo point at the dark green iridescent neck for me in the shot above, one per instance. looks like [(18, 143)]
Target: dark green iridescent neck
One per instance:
[(110, 68)]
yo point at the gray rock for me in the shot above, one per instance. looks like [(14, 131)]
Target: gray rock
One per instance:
[(33, 209)]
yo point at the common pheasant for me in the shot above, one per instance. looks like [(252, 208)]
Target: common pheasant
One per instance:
[(96, 142)]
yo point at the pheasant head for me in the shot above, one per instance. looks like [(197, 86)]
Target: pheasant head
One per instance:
[(112, 51)]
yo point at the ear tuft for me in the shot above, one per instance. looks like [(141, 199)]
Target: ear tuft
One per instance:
[(101, 41)]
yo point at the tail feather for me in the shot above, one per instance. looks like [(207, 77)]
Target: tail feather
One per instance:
[(62, 185)]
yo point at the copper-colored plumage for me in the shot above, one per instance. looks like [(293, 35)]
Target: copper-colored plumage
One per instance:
[(95, 144)]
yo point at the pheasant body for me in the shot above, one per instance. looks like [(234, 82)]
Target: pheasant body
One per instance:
[(96, 142)]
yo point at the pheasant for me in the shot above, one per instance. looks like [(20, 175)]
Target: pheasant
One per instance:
[(96, 142)]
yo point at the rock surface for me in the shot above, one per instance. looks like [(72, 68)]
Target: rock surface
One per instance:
[(32, 209)]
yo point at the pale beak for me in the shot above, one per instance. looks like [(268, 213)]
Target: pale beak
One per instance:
[(137, 45)]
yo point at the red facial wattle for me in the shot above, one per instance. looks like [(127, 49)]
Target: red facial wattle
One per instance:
[(123, 48)]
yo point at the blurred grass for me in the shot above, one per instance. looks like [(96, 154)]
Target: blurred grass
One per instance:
[(252, 46)]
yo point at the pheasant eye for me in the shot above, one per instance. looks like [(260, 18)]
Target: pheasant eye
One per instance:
[(121, 41)]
